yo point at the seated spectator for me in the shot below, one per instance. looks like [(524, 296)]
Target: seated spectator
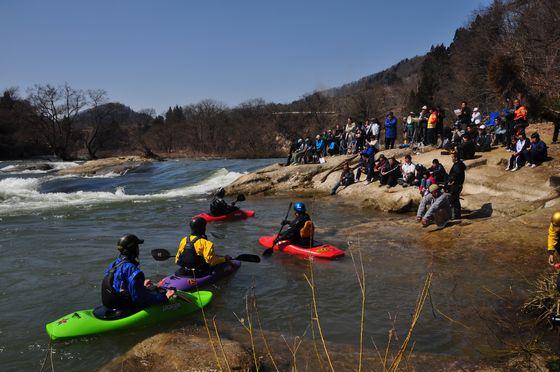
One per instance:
[(390, 173), (483, 141), (332, 143), (466, 149), (457, 134), (419, 174), (378, 166), (446, 138), (319, 146), (299, 152), (472, 132), (434, 207), (426, 181), (408, 172), (537, 152), (438, 172), (476, 117), (499, 135), (346, 178), (518, 158)]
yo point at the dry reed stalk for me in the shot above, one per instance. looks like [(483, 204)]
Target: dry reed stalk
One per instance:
[(266, 345), (220, 343), (418, 310), (360, 275), (311, 282), (314, 338), (249, 329)]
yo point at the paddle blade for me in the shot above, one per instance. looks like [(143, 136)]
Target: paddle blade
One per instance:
[(248, 258), (160, 254), (240, 198), (268, 251)]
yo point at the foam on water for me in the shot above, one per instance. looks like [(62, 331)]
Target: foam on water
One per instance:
[(22, 194), (56, 166)]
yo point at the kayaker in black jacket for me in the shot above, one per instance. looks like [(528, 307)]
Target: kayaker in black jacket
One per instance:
[(300, 231), (455, 185), (124, 287), (219, 206)]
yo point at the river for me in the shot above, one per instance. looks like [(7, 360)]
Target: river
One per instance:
[(58, 233)]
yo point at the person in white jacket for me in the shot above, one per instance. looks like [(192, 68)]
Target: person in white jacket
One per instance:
[(476, 117), (349, 133)]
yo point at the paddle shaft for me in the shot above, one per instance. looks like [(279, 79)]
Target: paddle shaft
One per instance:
[(271, 249), (163, 254)]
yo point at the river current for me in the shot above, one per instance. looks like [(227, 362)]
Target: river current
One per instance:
[(58, 233)]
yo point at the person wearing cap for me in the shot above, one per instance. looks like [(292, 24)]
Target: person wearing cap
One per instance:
[(434, 207), (483, 141), (476, 117), (537, 152), (553, 237), (124, 288), (390, 131)]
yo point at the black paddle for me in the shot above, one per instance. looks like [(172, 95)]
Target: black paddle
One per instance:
[(269, 251), (163, 254), (240, 198)]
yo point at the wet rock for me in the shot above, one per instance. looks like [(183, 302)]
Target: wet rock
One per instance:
[(118, 165), (28, 167), (180, 351)]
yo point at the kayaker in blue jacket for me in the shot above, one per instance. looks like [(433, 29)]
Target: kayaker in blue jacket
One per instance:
[(301, 228), (390, 131), (124, 286)]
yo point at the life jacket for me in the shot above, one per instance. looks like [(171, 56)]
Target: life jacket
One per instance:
[(307, 230), (432, 120), (111, 298), (189, 259)]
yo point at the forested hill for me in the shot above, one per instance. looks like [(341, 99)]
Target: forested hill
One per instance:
[(507, 50)]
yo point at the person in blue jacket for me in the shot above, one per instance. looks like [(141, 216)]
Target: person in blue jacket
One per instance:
[(367, 162), (124, 286), (320, 146), (537, 152), (390, 131)]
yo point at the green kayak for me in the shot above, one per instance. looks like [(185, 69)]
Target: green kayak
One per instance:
[(84, 322)]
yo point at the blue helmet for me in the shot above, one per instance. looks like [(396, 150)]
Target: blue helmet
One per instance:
[(299, 207)]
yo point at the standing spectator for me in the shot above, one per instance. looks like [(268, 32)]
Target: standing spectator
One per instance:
[(349, 133), (390, 173), (538, 152), (408, 171), (340, 142), (439, 124), (390, 131), (455, 185), (556, 129), (422, 124), (367, 130), (409, 128), (464, 115), (519, 116), (431, 128), (476, 117), (508, 114), (346, 178), (359, 141), (375, 128), (518, 158)]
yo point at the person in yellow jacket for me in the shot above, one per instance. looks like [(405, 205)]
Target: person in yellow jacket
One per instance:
[(196, 254), (431, 128), (553, 237)]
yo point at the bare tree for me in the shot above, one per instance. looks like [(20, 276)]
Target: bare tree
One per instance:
[(97, 121), (57, 110)]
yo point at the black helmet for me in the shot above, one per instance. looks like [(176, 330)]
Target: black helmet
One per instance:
[(128, 245), (221, 192), (198, 226)]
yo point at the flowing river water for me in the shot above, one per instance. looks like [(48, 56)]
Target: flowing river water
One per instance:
[(58, 233)]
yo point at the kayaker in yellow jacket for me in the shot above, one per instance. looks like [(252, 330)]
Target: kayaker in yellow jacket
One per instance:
[(196, 254), (553, 237)]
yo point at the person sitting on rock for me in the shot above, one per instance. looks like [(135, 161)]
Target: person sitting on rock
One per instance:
[(346, 178), (390, 173), (434, 207), (124, 288), (466, 149), (300, 231), (195, 254), (438, 172), (219, 206), (366, 163), (378, 166), (537, 152), (483, 141), (426, 181), (408, 172), (519, 156)]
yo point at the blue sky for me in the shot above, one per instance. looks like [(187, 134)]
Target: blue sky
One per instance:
[(153, 54)]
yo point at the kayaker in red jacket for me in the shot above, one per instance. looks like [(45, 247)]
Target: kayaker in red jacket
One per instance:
[(301, 228)]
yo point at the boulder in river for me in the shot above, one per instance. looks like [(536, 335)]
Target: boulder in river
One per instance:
[(181, 351), (117, 165)]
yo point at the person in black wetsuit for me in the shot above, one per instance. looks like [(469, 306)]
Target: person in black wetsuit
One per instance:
[(219, 206), (455, 185), (124, 288), (300, 231)]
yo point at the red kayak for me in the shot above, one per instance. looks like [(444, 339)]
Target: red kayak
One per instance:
[(237, 215), (321, 250)]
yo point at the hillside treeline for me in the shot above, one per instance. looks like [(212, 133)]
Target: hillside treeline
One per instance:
[(508, 50)]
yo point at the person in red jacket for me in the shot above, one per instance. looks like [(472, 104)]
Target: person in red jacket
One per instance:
[(519, 116)]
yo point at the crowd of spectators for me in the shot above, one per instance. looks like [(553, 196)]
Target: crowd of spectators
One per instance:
[(473, 131)]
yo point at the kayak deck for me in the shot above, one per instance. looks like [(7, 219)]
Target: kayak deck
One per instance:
[(188, 283), (236, 215), (84, 322), (326, 251)]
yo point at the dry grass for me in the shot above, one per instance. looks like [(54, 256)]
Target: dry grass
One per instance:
[(544, 299)]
